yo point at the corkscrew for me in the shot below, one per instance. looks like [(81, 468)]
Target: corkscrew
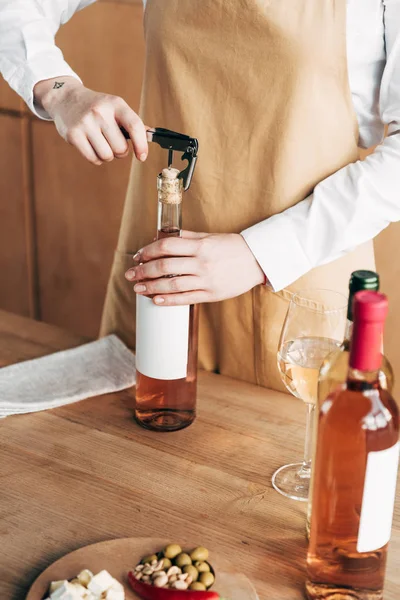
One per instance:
[(175, 142)]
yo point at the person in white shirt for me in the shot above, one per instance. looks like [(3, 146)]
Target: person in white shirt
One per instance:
[(339, 207)]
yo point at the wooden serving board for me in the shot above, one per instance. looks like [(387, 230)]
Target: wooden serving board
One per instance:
[(120, 556)]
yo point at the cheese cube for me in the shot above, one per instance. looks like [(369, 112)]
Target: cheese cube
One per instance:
[(115, 592), (56, 584), (84, 577), (80, 590), (65, 592), (100, 583)]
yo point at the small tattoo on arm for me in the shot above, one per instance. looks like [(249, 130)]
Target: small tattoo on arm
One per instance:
[(58, 85)]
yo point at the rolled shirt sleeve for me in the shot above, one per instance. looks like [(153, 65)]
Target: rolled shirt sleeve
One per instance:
[(348, 208), (28, 53)]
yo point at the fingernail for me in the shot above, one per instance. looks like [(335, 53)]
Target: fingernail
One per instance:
[(143, 157), (159, 300), (137, 255), (130, 274), (139, 288)]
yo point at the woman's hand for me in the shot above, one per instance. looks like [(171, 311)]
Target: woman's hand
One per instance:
[(197, 267), (91, 121)]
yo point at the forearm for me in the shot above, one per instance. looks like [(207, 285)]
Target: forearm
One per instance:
[(28, 53)]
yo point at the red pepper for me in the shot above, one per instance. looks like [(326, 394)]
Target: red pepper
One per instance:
[(150, 592)]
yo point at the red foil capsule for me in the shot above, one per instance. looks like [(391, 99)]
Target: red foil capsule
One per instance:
[(369, 312)]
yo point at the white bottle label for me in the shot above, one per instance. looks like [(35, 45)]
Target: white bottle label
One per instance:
[(162, 339), (378, 499)]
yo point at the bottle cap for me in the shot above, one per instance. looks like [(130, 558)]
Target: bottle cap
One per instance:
[(361, 280), (370, 310)]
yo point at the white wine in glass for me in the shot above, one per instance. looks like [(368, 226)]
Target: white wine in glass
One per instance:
[(314, 327), (299, 362)]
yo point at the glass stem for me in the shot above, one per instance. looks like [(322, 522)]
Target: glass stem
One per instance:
[(305, 470)]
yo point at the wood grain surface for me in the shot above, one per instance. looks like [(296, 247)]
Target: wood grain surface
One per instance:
[(87, 473)]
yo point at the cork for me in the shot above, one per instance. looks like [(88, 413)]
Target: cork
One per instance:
[(169, 186)]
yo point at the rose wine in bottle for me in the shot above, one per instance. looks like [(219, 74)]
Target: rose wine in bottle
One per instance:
[(166, 337), (334, 368), (355, 470)]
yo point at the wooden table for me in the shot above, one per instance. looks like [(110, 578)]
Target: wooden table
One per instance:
[(87, 473)]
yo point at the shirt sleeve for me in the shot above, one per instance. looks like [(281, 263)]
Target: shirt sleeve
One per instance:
[(348, 208), (28, 53)]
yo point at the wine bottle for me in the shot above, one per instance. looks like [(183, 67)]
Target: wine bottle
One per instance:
[(166, 337), (355, 470), (334, 368)]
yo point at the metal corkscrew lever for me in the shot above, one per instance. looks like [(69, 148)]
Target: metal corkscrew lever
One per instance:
[(175, 142)]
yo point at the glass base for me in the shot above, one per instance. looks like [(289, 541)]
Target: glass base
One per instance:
[(319, 591), (292, 481)]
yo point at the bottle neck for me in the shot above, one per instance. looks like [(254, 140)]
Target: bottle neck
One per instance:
[(170, 194), (366, 346), (169, 220)]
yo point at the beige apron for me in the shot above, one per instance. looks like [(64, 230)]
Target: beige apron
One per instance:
[(263, 85)]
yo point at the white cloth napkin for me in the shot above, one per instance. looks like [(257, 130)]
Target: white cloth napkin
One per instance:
[(100, 367)]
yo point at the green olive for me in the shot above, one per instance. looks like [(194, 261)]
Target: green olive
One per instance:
[(166, 563), (182, 560), (207, 579), (199, 587), (202, 567), (199, 553), (192, 571), (149, 559), (172, 550)]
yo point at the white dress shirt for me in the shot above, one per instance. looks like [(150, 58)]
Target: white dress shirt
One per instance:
[(346, 209)]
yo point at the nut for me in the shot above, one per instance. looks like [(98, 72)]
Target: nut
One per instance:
[(180, 585), (138, 576), (202, 566), (183, 576), (173, 578), (148, 571), (174, 571), (146, 578), (159, 566), (158, 574), (160, 581), (139, 568)]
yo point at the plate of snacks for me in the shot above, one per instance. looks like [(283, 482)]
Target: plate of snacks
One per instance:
[(142, 568)]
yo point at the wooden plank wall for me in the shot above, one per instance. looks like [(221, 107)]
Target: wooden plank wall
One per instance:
[(59, 216)]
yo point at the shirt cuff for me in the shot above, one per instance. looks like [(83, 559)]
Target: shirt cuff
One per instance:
[(40, 68), (276, 247)]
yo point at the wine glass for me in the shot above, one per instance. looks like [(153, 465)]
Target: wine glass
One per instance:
[(314, 326)]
